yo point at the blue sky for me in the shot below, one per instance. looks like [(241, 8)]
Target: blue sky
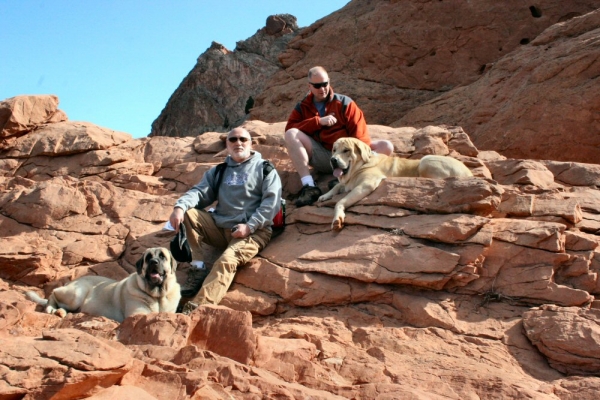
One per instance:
[(115, 63)]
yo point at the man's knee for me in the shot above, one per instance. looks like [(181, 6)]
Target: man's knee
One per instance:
[(291, 135), (383, 147), (295, 138), (226, 268)]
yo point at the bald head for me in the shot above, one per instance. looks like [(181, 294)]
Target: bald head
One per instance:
[(317, 71), (318, 83)]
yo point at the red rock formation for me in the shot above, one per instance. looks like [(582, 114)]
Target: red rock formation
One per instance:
[(484, 65), (220, 90), (20, 114), (391, 56), (540, 101), (424, 294)]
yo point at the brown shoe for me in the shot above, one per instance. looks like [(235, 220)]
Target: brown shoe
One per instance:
[(188, 308), (194, 281), (308, 195)]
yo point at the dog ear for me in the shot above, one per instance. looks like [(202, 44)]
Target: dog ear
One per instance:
[(173, 262), (139, 265), (363, 150)]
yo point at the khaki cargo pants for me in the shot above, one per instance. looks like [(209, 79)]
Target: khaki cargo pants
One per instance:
[(200, 227)]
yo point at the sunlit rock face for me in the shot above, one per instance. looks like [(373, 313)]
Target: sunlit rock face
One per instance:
[(433, 289)]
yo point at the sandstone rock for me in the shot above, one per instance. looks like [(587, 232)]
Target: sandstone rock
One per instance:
[(545, 205), (553, 94), (390, 57), (421, 312), (162, 385), (567, 336), (359, 341), (303, 289), (519, 274), (521, 172), (212, 331), (450, 228), (575, 174), (99, 327), (21, 260), (373, 257), (453, 195), (122, 392), (285, 357), (64, 138), (422, 294), (155, 329), (21, 114), (65, 364), (546, 236), (580, 241)]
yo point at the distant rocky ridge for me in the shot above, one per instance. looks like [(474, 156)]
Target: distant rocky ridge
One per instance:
[(219, 92), (481, 65), (478, 287)]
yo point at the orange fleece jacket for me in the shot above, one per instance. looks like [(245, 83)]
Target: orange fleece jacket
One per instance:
[(350, 120)]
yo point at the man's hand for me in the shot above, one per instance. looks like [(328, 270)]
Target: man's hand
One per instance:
[(240, 231), (328, 120), (176, 218)]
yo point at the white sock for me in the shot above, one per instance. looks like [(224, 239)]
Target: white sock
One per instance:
[(197, 264), (307, 180)]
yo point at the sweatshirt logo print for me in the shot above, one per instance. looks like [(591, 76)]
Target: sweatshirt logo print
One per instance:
[(236, 179)]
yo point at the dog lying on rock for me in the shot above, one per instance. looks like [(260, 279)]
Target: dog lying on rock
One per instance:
[(153, 288), (360, 171)]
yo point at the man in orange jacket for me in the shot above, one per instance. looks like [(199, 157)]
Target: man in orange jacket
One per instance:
[(315, 124)]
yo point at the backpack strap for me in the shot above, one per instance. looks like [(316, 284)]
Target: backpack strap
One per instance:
[(219, 173), (267, 167)]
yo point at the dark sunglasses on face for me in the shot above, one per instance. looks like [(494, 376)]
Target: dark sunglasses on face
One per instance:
[(319, 85), (234, 139)]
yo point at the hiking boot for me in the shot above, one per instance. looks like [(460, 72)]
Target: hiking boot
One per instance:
[(308, 195), (194, 281), (332, 183), (188, 308)]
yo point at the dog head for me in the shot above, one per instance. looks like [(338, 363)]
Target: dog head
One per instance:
[(348, 153), (155, 267)]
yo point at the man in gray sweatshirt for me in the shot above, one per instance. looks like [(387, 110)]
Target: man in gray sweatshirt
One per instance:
[(241, 222)]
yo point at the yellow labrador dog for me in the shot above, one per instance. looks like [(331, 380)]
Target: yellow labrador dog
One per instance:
[(360, 171), (153, 288)]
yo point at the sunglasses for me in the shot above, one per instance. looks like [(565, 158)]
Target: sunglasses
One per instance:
[(319, 85), (234, 139)]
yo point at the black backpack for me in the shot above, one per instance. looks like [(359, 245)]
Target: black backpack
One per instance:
[(179, 246)]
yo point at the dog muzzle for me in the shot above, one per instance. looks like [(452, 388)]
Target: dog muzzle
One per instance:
[(153, 274), (337, 171), (156, 278)]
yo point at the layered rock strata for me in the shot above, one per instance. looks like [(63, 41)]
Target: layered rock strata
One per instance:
[(460, 288)]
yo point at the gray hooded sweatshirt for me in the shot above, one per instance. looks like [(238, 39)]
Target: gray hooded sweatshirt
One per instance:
[(245, 195)]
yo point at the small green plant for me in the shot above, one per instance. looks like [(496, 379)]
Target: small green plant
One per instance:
[(249, 105)]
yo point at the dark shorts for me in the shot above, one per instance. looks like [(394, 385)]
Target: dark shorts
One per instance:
[(320, 159)]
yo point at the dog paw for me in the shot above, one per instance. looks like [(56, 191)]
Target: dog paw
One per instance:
[(323, 198), (337, 224), (60, 312)]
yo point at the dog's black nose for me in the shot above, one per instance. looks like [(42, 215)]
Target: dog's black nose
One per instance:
[(334, 162)]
